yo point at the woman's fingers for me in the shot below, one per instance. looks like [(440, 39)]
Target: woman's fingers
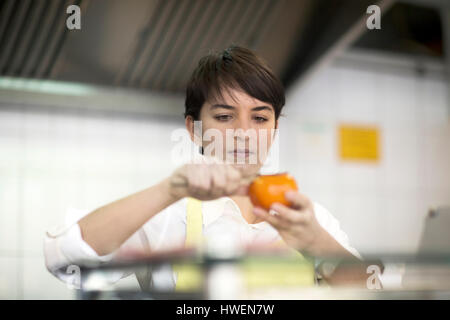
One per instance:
[(298, 227), (297, 200), (274, 220), (287, 214), (198, 184), (218, 180), (285, 217), (212, 181)]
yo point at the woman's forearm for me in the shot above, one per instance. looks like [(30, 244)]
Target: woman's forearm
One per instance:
[(108, 227)]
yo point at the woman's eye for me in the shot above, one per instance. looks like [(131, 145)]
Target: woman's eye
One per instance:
[(260, 119), (224, 117)]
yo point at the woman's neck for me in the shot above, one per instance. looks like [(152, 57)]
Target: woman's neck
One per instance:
[(246, 207)]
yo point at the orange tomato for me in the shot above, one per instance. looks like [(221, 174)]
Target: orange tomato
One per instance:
[(267, 189)]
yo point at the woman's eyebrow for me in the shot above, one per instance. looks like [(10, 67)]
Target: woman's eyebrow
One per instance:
[(262, 108), (225, 106)]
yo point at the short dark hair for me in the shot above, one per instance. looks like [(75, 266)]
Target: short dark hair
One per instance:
[(234, 68)]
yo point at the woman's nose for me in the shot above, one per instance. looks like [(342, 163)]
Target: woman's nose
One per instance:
[(244, 131), (243, 123)]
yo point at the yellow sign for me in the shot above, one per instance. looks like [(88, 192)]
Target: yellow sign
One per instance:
[(360, 143)]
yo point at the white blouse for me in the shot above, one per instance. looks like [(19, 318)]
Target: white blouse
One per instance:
[(64, 245)]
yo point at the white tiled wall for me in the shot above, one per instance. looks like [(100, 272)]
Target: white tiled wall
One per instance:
[(381, 206), (51, 161), (10, 282)]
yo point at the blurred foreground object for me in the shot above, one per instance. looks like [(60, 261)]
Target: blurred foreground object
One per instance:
[(227, 278)]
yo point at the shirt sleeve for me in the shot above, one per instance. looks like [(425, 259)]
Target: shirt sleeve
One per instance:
[(332, 226), (64, 248)]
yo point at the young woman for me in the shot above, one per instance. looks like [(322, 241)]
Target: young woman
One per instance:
[(232, 90)]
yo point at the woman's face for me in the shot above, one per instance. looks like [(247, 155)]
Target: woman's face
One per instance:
[(238, 129)]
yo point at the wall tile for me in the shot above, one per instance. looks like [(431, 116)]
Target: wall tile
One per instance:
[(10, 213), (36, 278), (10, 282)]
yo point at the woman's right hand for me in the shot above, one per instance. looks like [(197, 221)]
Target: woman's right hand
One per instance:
[(208, 181)]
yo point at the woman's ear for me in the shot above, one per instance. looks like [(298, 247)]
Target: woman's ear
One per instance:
[(275, 130), (189, 122), (194, 127)]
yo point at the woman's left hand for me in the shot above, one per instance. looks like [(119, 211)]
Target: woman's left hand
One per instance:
[(297, 225)]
